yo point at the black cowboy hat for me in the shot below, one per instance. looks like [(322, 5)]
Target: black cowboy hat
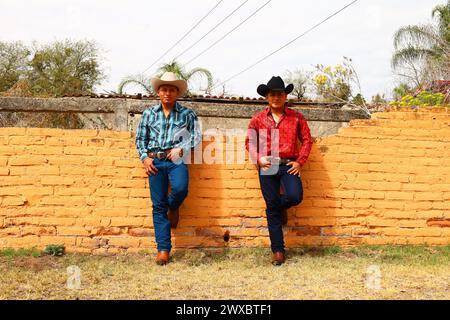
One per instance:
[(274, 84)]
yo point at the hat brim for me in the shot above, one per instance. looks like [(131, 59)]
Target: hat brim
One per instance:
[(180, 84), (263, 89)]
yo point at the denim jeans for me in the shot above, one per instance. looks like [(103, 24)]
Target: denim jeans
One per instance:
[(276, 202), (177, 176)]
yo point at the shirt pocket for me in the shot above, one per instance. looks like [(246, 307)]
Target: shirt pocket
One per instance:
[(155, 127), (180, 131)]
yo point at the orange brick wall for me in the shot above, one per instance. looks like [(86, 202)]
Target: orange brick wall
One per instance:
[(379, 181)]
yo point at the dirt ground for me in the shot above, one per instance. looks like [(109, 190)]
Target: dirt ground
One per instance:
[(310, 273)]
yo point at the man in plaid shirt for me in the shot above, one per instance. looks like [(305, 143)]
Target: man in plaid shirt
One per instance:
[(273, 143), (164, 138)]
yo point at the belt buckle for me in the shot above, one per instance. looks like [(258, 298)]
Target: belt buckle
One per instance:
[(161, 155)]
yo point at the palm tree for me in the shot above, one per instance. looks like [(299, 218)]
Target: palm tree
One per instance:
[(424, 50), (174, 67)]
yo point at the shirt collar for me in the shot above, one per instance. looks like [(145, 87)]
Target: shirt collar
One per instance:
[(287, 111), (177, 107)]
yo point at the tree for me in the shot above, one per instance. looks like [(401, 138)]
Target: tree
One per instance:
[(359, 100), (401, 90), (379, 99), (13, 63), (174, 67), (65, 67), (301, 81), (333, 82), (422, 52)]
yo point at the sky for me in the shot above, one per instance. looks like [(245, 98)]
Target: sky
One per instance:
[(133, 34)]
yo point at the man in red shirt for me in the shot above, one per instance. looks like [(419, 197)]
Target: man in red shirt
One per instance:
[(273, 139)]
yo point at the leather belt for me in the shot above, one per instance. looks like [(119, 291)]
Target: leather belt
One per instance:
[(162, 154), (280, 161)]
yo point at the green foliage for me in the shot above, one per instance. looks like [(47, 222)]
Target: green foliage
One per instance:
[(12, 253), (13, 63), (54, 250), (174, 67), (56, 69), (422, 51), (65, 67), (359, 100), (401, 90), (422, 99), (379, 99), (335, 83)]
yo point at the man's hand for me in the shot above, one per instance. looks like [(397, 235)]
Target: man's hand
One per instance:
[(295, 170), (150, 169), (174, 154), (264, 163)]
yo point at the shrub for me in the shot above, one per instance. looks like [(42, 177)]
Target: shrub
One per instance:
[(422, 99)]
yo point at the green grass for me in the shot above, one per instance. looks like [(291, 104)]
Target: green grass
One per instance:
[(12, 253), (407, 272)]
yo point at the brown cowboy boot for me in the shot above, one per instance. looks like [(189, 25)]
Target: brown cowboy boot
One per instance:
[(174, 216), (278, 258), (162, 258)]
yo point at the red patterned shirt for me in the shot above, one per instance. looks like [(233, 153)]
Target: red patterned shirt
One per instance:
[(292, 131)]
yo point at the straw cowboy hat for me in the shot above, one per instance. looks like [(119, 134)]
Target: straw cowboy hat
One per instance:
[(274, 84), (169, 78)]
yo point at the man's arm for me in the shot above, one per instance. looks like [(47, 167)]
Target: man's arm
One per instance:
[(251, 140), (142, 137), (304, 135)]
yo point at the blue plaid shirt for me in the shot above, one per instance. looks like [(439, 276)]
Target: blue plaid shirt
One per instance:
[(155, 133)]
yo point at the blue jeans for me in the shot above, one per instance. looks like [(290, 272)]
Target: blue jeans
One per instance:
[(178, 177), (276, 202)]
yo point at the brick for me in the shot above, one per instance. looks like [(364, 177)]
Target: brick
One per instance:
[(139, 193), (42, 170), (421, 196), (31, 230), (7, 131), (76, 171), (69, 201), (124, 242), (21, 221), (108, 231), (26, 140), (393, 195), (110, 212), (141, 232), (114, 134), (80, 151), (72, 191), (112, 192), (54, 221), (23, 242), (138, 203), (71, 212), (27, 160), (369, 195), (72, 231), (55, 180), (45, 150), (58, 240), (13, 201), (81, 133), (9, 191), (127, 222), (52, 132), (121, 183)]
